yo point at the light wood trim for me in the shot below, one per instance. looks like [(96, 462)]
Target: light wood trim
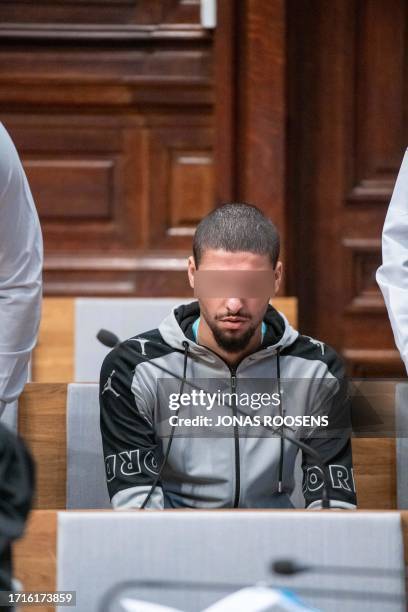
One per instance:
[(35, 555), (42, 424), (404, 525), (374, 464), (289, 307), (53, 358)]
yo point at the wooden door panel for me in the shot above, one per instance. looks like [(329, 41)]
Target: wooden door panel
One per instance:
[(348, 114)]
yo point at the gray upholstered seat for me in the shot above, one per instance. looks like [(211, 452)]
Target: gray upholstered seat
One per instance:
[(125, 317), (401, 424), (86, 483)]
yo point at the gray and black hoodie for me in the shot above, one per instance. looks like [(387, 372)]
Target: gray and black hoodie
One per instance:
[(235, 466)]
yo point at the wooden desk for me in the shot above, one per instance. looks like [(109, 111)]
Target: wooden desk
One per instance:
[(36, 553)]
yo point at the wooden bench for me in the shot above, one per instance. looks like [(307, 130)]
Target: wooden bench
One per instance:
[(42, 423), (53, 358), (35, 555)]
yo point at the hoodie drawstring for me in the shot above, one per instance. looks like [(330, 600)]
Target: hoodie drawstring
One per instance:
[(181, 390), (278, 371)]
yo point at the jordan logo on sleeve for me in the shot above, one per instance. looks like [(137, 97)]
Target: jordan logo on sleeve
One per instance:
[(317, 343), (142, 342), (108, 385)]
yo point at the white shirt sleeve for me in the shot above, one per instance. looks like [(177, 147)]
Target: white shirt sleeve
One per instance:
[(21, 259), (392, 275)]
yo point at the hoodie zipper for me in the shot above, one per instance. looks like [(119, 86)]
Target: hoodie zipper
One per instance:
[(236, 439), (233, 372)]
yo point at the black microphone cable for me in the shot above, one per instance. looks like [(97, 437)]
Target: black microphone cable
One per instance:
[(157, 478), (278, 373)]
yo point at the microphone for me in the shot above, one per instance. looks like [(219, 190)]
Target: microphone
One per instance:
[(287, 567), (290, 567), (107, 338)]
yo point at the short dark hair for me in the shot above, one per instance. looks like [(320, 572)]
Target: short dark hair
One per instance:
[(237, 227)]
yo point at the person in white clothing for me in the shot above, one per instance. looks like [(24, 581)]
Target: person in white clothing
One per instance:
[(392, 275), (21, 259)]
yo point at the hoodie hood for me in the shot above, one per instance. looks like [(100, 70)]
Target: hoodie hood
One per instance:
[(177, 328)]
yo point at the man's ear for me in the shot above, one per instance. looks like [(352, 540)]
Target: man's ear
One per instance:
[(191, 271), (278, 276)]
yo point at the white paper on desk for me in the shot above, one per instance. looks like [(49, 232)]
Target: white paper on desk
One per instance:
[(250, 599), (259, 599), (136, 605)]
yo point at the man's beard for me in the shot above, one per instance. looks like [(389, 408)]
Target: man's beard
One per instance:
[(229, 343)]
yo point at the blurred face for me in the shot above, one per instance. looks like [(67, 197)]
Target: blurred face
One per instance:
[(233, 290)]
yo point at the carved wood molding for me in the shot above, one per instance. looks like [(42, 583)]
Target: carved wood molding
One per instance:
[(143, 275), (117, 262), (363, 256), (138, 92), (104, 33), (374, 362)]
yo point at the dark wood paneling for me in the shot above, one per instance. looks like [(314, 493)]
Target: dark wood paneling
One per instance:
[(78, 76), (81, 183), (347, 134), (361, 256), (226, 55), (117, 186), (72, 188), (110, 104), (142, 273), (181, 184), (261, 106), (124, 13), (250, 47), (379, 58), (374, 363)]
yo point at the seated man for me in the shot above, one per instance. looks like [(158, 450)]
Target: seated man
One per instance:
[(153, 458)]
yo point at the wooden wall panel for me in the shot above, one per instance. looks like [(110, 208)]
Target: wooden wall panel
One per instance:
[(379, 140), (348, 133), (191, 189), (261, 106), (125, 15), (379, 56), (250, 73), (80, 183), (116, 135), (181, 187), (75, 188)]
